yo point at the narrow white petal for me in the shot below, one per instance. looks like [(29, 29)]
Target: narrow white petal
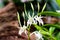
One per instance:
[(22, 29)]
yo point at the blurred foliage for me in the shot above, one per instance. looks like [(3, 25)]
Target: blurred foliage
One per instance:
[(58, 2), (51, 30), (58, 36), (51, 4), (1, 4), (50, 13)]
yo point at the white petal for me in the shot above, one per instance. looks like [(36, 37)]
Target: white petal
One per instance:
[(40, 21), (22, 29)]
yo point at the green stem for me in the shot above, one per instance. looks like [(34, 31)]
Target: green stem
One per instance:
[(29, 33)]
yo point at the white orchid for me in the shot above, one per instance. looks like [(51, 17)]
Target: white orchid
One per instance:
[(38, 35), (31, 20), (34, 20), (38, 18), (22, 29)]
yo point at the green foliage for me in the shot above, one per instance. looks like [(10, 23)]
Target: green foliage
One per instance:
[(50, 13), (52, 25), (47, 34), (58, 36), (51, 30), (58, 2)]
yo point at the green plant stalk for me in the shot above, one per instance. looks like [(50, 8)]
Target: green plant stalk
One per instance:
[(28, 32), (52, 37)]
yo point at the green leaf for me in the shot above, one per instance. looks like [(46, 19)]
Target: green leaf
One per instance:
[(58, 36), (52, 25), (38, 6), (58, 2), (25, 9), (50, 13), (37, 27), (51, 30), (41, 29), (32, 9), (32, 6), (44, 32)]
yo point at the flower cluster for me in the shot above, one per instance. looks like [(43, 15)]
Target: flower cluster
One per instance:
[(34, 20)]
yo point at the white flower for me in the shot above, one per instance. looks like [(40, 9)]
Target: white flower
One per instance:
[(38, 35), (31, 20), (39, 19), (34, 20), (22, 29)]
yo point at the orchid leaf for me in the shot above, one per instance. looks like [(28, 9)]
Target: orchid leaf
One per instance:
[(50, 13), (58, 36), (44, 7), (51, 30), (52, 25)]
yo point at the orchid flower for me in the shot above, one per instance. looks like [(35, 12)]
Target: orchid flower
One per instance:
[(34, 20), (22, 29), (38, 35), (31, 20), (38, 18)]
